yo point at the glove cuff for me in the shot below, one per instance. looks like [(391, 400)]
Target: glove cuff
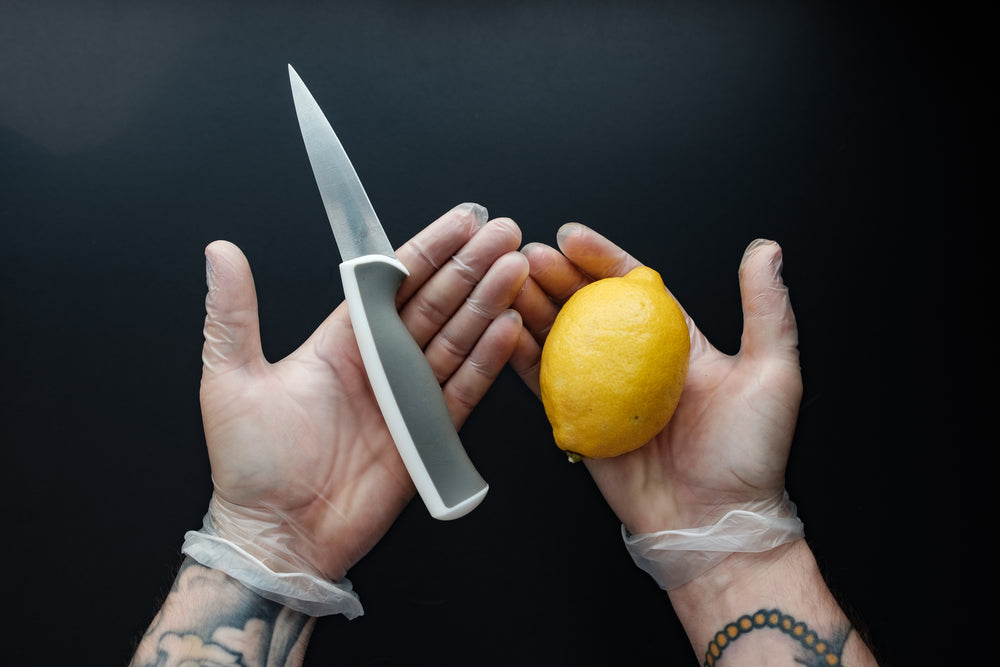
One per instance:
[(300, 591), (675, 557)]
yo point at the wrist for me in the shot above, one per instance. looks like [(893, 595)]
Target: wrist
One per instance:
[(735, 577), (675, 557), (258, 549), (771, 602), (271, 538)]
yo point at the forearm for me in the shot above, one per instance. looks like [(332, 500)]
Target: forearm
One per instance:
[(209, 618), (754, 608)]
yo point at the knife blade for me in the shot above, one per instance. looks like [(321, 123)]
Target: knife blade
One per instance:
[(405, 387)]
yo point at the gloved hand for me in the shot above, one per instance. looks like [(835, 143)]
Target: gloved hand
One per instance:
[(306, 476), (727, 444)]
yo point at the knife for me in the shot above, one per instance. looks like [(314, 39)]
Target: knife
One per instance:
[(405, 387)]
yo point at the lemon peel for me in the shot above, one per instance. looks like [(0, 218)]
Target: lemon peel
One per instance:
[(614, 364)]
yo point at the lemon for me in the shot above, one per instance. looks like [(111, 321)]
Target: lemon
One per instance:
[(614, 364)]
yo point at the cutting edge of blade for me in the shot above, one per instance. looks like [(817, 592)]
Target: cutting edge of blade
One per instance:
[(356, 226)]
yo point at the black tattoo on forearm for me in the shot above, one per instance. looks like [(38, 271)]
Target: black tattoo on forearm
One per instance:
[(235, 627), (814, 650)]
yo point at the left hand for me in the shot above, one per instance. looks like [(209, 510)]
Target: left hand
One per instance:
[(727, 444), (302, 441)]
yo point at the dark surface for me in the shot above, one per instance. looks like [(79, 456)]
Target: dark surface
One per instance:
[(130, 138)]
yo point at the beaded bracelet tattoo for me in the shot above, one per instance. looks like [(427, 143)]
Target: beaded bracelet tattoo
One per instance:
[(818, 652)]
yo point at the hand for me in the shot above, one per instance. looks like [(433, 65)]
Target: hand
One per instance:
[(302, 442), (727, 443)]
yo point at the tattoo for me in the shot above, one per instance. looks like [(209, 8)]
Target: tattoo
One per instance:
[(210, 619), (814, 651)]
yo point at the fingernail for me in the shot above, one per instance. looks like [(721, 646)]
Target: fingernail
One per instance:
[(568, 230), (776, 262), (209, 273), (510, 314), (756, 243), (779, 265), (478, 211)]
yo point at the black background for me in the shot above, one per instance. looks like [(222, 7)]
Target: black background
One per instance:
[(131, 136)]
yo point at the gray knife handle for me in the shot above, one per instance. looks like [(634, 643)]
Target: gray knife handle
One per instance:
[(407, 391)]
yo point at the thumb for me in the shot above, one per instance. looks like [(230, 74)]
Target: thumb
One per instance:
[(768, 321), (232, 329)]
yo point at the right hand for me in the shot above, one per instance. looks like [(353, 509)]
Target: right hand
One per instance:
[(727, 444), (300, 445)]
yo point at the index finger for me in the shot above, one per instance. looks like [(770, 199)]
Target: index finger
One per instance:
[(557, 277), (585, 256), (590, 257), (592, 253)]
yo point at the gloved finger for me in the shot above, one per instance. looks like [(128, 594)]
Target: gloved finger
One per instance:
[(768, 321), (232, 328), (446, 290), (557, 276), (526, 360), (490, 297), (536, 308), (434, 245), (594, 254), (600, 258), (467, 386)]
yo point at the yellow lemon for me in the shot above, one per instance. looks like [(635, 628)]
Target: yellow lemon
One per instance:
[(614, 364)]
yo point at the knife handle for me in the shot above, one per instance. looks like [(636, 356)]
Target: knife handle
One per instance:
[(407, 391)]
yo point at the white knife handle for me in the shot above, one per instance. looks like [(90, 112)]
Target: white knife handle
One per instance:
[(407, 391)]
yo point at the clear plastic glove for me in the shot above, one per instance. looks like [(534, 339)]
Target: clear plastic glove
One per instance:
[(306, 476), (727, 444)]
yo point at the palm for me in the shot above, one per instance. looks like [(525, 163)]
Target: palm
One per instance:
[(305, 437), (709, 457)]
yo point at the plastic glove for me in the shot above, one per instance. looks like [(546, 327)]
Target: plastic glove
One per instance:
[(306, 476), (727, 444)]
